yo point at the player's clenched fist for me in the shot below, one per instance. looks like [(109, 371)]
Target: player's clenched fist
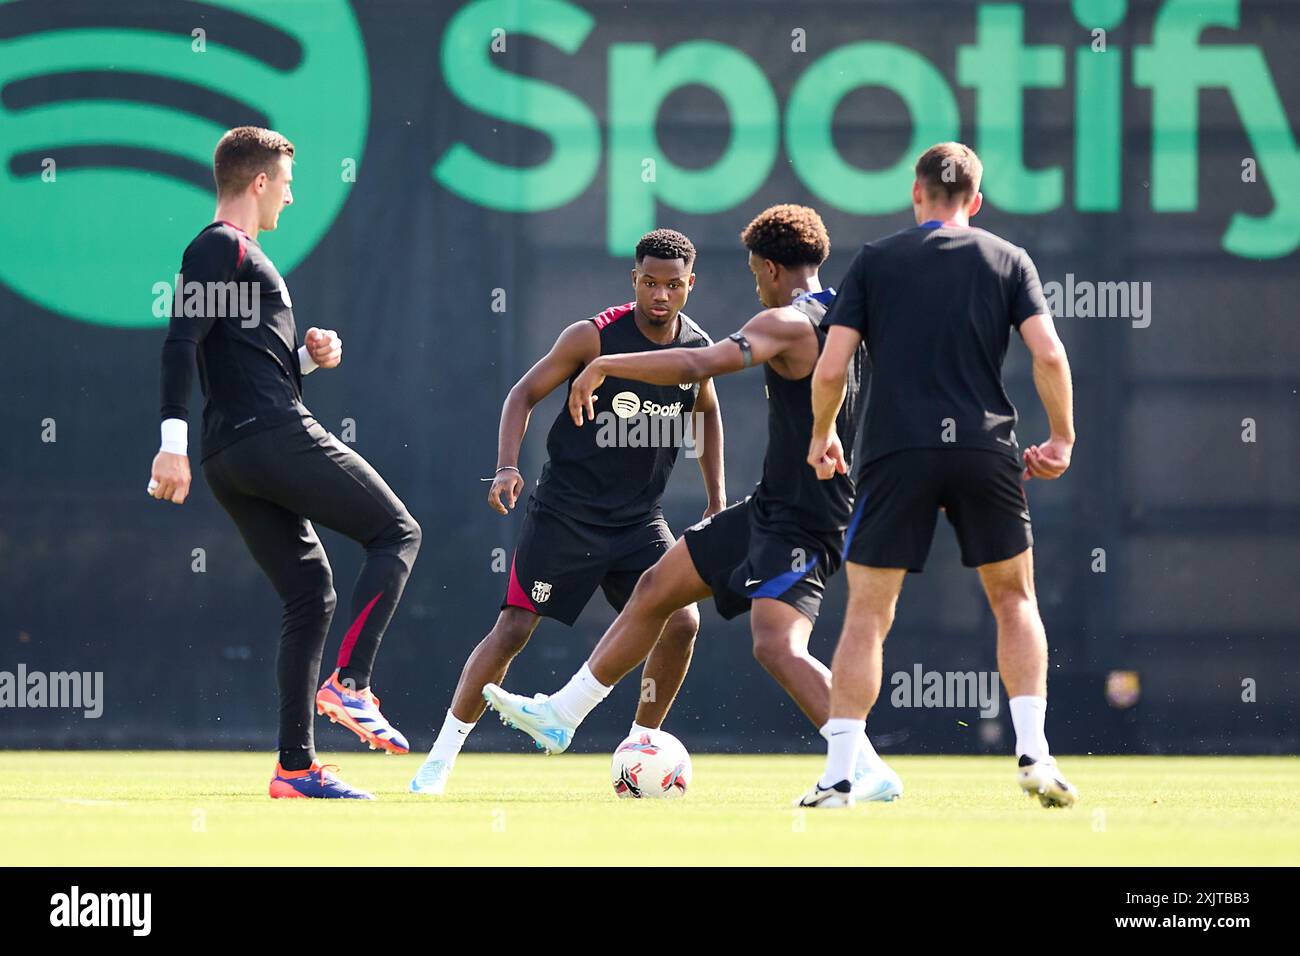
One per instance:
[(169, 479), (826, 456), (505, 490), (324, 346)]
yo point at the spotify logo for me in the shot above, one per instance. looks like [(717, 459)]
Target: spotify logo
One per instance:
[(108, 117), (626, 404)]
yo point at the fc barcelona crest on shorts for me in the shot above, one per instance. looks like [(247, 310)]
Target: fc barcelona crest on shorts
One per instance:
[(541, 591)]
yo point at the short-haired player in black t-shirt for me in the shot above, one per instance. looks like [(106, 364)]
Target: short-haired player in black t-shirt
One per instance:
[(935, 306), (594, 520), (273, 467), (769, 555)]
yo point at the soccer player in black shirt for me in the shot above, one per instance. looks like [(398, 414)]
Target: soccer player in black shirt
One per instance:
[(935, 305), (771, 554), (595, 517), (273, 467)]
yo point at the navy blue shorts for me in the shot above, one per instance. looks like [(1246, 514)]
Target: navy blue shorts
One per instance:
[(740, 560)]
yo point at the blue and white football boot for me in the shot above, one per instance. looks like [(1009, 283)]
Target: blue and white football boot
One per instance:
[(431, 779), (316, 781), (358, 711), (874, 781), (533, 715)]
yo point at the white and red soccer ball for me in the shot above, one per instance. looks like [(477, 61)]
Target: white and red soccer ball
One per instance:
[(650, 764)]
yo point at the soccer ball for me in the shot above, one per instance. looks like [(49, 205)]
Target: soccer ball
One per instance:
[(650, 764)]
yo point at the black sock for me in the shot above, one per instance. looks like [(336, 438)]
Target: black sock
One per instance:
[(354, 679), (297, 758)]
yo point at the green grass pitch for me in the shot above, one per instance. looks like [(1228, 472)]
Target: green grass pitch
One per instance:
[(123, 808)]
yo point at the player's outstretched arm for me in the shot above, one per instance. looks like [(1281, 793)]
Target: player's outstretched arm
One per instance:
[(825, 452), (1056, 391), (767, 334), (577, 345), (709, 447)]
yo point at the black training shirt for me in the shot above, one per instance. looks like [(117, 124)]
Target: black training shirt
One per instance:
[(233, 314), (935, 305)]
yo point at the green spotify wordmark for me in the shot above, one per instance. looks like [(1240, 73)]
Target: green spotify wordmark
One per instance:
[(107, 134), (1194, 46)]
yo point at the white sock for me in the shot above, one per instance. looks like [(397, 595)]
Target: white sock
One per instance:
[(640, 729), (450, 739), (864, 743), (1028, 715), (579, 697), (843, 736)]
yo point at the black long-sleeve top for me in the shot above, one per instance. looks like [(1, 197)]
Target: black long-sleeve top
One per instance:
[(232, 316)]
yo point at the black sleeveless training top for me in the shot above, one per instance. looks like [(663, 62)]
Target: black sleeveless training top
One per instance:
[(613, 471), (790, 493)]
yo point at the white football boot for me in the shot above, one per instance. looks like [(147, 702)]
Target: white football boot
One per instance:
[(533, 715), (827, 798), (431, 778), (1044, 780), (874, 783)]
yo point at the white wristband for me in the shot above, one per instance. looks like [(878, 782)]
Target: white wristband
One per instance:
[(305, 362), (175, 436)]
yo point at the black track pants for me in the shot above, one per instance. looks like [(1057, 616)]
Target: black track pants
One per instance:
[(275, 484)]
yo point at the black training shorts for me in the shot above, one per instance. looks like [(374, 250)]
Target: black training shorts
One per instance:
[(899, 497), (560, 561)]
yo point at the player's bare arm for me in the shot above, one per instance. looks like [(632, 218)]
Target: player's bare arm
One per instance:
[(710, 442), (770, 334), (825, 451), (578, 345), (1051, 458)]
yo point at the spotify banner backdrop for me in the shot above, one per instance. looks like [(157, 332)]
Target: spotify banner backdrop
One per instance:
[(472, 177)]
